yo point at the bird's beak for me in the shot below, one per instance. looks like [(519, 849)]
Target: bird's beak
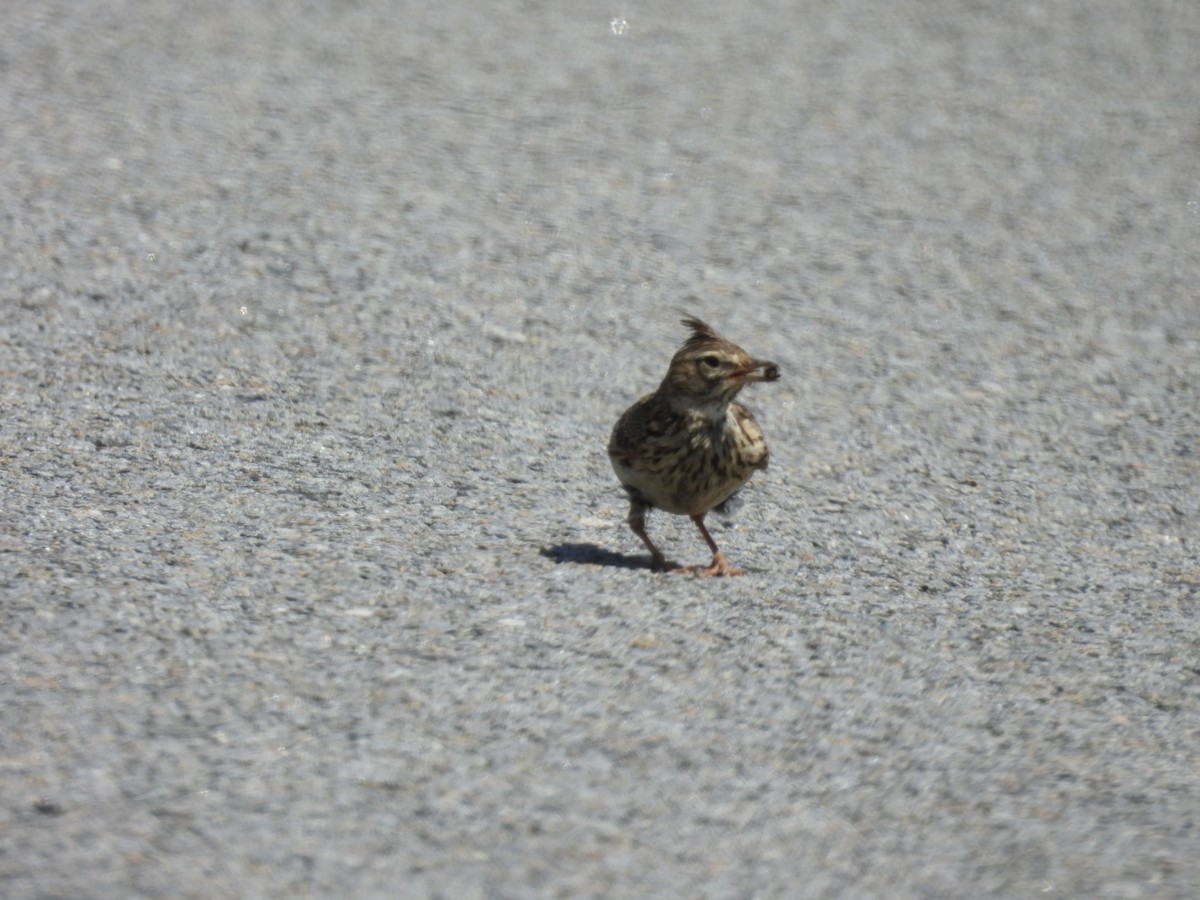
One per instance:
[(758, 370)]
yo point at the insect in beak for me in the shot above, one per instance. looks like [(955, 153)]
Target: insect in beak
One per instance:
[(769, 371)]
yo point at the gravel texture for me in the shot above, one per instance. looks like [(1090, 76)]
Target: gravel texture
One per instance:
[(314, 575)]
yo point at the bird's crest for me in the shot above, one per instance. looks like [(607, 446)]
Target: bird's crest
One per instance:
[(702, 333)]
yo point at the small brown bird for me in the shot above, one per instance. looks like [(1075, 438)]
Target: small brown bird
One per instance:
[(688, 447)]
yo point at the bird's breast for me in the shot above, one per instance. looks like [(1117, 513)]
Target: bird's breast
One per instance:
[(694, 465)]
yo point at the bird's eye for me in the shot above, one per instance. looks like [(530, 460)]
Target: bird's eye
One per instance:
[(710, 361)]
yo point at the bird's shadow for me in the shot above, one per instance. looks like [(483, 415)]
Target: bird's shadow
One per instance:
[(593, 555)]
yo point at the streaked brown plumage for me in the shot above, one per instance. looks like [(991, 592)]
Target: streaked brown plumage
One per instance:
[(688, 447)]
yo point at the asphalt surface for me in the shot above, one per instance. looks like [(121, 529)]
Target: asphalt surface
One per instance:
[(313, 573)]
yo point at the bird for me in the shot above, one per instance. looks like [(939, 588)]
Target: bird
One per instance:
[(688, 447)]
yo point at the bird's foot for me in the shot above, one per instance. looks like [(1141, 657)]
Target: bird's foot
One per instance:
[(719, 566), (660, 564)]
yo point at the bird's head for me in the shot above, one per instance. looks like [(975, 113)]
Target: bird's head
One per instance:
[(708, 369)]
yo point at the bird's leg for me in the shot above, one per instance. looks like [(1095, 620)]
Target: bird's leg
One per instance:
[(637, 524), (719, 565)]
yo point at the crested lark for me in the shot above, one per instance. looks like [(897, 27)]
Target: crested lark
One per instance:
[(688, 447)]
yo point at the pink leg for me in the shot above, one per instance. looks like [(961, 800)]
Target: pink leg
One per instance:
[(637, 524), (719, 565)]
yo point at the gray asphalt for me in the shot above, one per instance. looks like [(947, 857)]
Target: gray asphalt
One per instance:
[(313, 573)]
